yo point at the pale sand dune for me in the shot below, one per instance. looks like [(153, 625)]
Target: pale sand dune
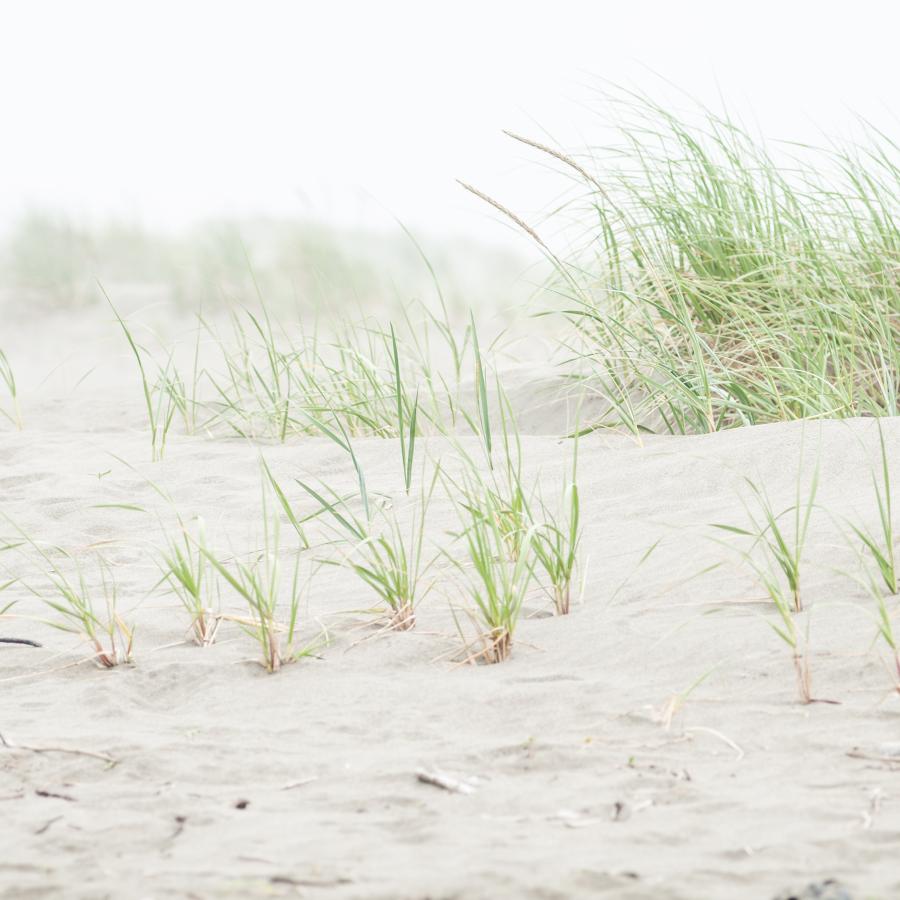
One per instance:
[(582, 791)]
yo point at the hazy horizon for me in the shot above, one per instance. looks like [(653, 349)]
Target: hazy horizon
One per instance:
[(351, 115)]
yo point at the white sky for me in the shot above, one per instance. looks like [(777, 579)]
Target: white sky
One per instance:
[(167, 112)]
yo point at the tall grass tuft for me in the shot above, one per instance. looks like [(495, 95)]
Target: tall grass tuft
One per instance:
[(87, 610), (190, 575), (272, 599), (715, 283), (496, 583), (388, 558)]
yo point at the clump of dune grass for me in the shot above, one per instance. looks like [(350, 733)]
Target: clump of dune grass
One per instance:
[(501, 489), (385, 555), (271, 590), (276, 381), (556, 540), (500, 493), (527, 525), (496, 584), (713, 282), (339, 376), (193, 579), (775, 553), (8, 380), (777, 539), (880, 544), (85, 607)]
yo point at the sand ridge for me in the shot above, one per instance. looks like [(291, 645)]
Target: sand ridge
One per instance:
[(233, 783)]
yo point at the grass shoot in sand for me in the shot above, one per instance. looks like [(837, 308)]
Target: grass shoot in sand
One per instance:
[(781, 546), (8, 380), (272, 597), (556, 540), (496, 583), (880, 544), (194, 580), (785, 626), (389, 559), (88, 609)]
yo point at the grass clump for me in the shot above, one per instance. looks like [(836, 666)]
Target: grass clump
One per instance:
[(715, 283), (187, 570), (388, 558), (87, 610), (272, 601), (496, 583), (274, 381)]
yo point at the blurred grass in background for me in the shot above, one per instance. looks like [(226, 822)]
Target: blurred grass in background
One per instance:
[(50, 261)]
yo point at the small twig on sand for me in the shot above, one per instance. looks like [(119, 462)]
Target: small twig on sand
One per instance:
[(104, 757), (40, 672), (446, 781), (856, 753), (46, 826), (721, 737), (301, 783), (53, 795)]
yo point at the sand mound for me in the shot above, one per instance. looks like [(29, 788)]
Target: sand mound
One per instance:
[(578, 770)]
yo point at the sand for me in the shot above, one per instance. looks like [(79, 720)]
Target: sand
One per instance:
[(229, 782)]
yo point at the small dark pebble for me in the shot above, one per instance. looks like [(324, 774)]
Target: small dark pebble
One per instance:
[(829, 889), (242, 804)]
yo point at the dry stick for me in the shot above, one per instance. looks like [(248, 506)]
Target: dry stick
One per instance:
[(104, 757), (39, 672), (860, 754), (446, 781), (721, 737)]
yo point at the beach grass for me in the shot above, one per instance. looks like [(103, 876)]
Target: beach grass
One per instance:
[(879, 543), (777, 538), (711, 281), (384, 554), (495, 583), (272, 596), (190, 575), (8, 382), (887, 633), (556, 540), (88, 608)]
